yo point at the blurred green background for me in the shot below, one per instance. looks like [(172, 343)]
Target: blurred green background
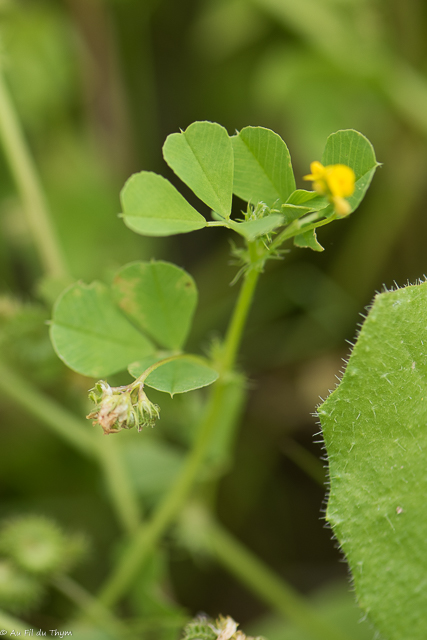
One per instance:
[(98, 85)]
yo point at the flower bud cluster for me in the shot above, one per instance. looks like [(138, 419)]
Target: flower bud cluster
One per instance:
[(260, 210), (118, 408), (203, 628)]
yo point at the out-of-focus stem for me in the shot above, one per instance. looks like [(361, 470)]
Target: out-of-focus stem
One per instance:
[(25, 175), (73, 431)]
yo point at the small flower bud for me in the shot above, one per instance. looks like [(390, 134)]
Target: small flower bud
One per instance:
[(118, 408), (148, 412)]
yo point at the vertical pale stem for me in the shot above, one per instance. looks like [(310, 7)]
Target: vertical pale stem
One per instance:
[(25, 175)]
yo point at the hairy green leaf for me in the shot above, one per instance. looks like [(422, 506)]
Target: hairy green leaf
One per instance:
[(351, 148), (374, 425), (91, 335), (262, 167), (202, 156), (159, 298), (178, 376), (153, 207)]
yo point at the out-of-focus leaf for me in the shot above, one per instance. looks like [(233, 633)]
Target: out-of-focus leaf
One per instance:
[(202, 156), (153, 207), (262, 167), (159, 298), (91, 335)]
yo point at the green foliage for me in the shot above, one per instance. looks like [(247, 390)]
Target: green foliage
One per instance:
[(374, 430), (202, 156), (153, 207), (159, 298), (180, 375), (262, 167), (91, 335), (98, 332), (351, 148)]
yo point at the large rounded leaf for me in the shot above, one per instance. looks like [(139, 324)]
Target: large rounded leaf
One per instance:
[(374, 425), (202, 156), (91, 335), (153, 207), (159, 298)]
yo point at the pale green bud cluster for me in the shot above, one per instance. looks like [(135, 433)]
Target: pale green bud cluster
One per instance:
[(118, 408), (32, 549), (203, 628), (255, 212)]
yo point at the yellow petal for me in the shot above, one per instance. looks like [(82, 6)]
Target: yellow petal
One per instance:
[(342, 207), (340, 180), (317, 171)]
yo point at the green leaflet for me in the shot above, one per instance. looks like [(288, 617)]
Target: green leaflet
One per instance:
[(252, 229), (159, 298), (308, 240), (374, 426), (178, 376), (153, 207), (187, 373), (91, 335), (97, 332), (353, 149), (202, 156), (262, 167)]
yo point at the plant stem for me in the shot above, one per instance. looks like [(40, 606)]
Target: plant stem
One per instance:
[(179, 356), (100, 615), (25, 175), (300, 226), (147, 536), (305, 460), (122, 492), (274, 591), (59, 420), (237, 322), (75, 433)]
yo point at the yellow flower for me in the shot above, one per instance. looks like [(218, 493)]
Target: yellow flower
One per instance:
[(336, 181)]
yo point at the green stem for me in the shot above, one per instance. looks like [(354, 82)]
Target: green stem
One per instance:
[(75, 433), (25, 175), (262, 581), (148, 535), (305, 460), (235, 328), (121, 490), (60, 421), (179, 356), (10, 624), (300, 226), (99, 614)]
